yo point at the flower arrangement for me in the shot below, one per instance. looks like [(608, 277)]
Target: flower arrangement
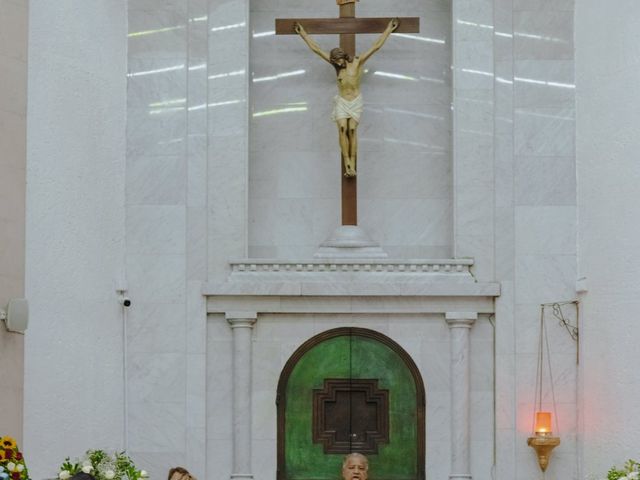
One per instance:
[(630, 471), (12, 466), (103, 466)]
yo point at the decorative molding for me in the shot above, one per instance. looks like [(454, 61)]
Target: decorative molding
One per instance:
[(461, 319), (241, 319), (329, 408), (441, 267)]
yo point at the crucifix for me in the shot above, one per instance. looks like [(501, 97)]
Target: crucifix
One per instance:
[(348, 104)]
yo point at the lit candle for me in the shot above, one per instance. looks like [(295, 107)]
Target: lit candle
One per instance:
[(543, 423)]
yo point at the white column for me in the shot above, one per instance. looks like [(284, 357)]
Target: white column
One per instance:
[(460, 323), (241, 324)]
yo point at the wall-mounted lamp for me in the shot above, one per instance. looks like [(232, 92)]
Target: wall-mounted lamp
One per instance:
[(543, 441)]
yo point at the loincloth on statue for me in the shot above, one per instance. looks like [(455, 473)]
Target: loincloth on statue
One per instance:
[(343, 108)]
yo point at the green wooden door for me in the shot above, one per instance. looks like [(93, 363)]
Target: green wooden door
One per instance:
[(350, 390)]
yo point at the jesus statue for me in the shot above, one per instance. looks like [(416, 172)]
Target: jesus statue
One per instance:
[(347, 105)]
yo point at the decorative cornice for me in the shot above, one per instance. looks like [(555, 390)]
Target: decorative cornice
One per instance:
[(454, 267)]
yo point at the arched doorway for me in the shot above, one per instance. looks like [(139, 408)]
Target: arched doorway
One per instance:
[(350, 390)]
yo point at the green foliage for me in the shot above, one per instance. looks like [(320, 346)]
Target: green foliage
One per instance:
[(103, 466), (630, 471)]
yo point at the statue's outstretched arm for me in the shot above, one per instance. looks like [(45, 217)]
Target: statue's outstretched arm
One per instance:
[(313, 45), (393, 24)]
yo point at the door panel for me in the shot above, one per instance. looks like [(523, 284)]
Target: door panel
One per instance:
[(350, 390)]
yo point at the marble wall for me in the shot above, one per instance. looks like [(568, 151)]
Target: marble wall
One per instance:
[(276, 337), (606, 146), (404, 138), (75, 230), (535, 218), (205, 98), (14, 16)]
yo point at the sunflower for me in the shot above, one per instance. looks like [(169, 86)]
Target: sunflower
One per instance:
[(7, 442), (2, 456)]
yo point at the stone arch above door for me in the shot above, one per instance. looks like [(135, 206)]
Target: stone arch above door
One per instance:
[(376, 382)]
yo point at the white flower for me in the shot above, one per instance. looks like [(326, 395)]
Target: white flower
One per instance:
[(87, 463), (87, 468), (633, 476), (109, 474), (144, 474), (11, 466), (20, 467), (64, 475), (623, 478)]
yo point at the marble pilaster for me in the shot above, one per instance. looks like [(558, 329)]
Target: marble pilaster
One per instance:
[(460, 324), (241, 324)]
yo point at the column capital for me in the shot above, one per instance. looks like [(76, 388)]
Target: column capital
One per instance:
[(461, 319), (241, 319)]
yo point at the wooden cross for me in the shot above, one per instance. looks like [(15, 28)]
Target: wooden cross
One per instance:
[(347, 26)]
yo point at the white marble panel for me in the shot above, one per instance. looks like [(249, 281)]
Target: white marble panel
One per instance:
[(438, 414), (219, 458), (407, 221), (196, 318), (435, 366), (481, 367), (475, 208), (156, 278), (545, 278), (564, 369), (293, 219), (197, 85), (218, 328), (284, 327), (196, 454), (156, 229), (546, 5), (227, 118), (156, 328), (219, 402), (544, 131), (157, 377), (474, 68), (156, 83), (482, 249), (265, 360), (545, 180), (504, 244), (545, 230), (544, 83), (272, 129), (543, 35), (197, 243), (197, 166), (264, 459), (156, 131), (179, 6), (196, 377), (528, 329), (148, 434), (157, 33), (263, 414), (437, 455), (156, 180)]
